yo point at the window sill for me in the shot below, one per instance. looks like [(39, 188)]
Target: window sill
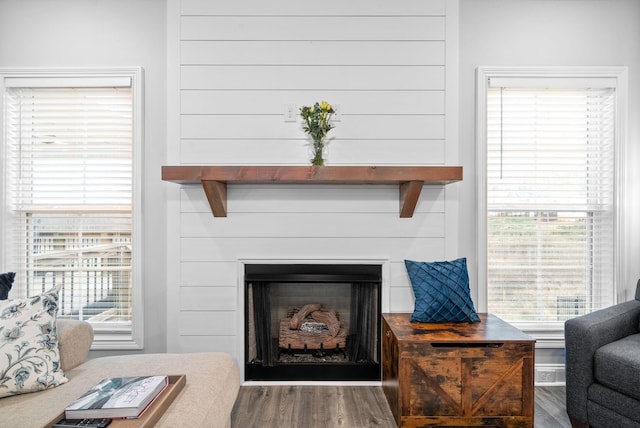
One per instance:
[(115, 342), (547, 337)]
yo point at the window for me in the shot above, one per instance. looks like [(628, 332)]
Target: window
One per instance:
[(70, 155), (550, 228)]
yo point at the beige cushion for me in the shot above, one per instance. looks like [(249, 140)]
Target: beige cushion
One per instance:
[(29, 356), (207, 399), (74, 341)]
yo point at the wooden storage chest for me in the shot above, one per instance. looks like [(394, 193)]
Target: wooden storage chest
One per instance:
[(457, 374)]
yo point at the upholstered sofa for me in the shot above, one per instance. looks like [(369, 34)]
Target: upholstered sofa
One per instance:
[(212, 383), (603, 367)]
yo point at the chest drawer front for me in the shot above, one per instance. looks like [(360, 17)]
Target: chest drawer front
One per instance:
[(465, 349), (467, 381)]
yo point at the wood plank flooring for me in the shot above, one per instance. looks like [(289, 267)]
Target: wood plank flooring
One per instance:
[(551, 410), (351, 407)]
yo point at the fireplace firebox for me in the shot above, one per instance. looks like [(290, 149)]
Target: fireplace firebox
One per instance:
[(312, 322)]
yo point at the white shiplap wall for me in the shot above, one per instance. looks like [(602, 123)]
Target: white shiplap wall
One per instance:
[(240, 64)]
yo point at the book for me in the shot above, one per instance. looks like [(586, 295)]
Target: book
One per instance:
[(117, 397)]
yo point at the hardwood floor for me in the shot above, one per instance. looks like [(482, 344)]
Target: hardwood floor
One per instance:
[(350, 407), (551, 411)]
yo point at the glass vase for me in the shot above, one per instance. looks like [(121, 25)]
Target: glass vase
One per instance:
[(318, 152)]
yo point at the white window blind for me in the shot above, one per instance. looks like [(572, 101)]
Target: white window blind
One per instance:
[(550, 201), (69, 185)]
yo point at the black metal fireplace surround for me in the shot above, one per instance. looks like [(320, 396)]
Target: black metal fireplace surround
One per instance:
[(273, 291)]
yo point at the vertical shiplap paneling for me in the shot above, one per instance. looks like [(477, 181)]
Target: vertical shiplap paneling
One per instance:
[(241, 64)]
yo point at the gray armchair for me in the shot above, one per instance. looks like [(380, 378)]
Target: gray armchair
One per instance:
[(603, 367)]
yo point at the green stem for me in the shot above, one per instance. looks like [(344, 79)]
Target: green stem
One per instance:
[(317, 153)]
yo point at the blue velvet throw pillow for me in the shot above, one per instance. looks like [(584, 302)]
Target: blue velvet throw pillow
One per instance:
[(441, 291)]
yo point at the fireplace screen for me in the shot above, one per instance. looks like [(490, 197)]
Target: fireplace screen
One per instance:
[(312, 322)]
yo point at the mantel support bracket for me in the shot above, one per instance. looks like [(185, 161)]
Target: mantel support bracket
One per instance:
[(216, 192), (409, 195)]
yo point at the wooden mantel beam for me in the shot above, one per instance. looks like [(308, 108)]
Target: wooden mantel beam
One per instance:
[(410, 179)]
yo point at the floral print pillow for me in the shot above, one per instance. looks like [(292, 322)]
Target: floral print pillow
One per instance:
[(29, 356)]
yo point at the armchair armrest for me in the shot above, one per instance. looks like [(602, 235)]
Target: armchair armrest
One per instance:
[(74, 341), (583, 336)]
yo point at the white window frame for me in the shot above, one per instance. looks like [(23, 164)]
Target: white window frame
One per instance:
[(550, 337), (104, 339)]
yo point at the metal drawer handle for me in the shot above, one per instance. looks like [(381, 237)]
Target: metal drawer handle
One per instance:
[(467, 344)]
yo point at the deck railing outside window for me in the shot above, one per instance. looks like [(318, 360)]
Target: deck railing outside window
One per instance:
[(92, 268)]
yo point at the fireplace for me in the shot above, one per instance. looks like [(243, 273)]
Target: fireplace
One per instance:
[(312, 322)]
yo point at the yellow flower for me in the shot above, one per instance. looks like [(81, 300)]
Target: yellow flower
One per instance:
[(325, 106)]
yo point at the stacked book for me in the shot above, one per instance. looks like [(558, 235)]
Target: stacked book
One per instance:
[(118, 397)]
